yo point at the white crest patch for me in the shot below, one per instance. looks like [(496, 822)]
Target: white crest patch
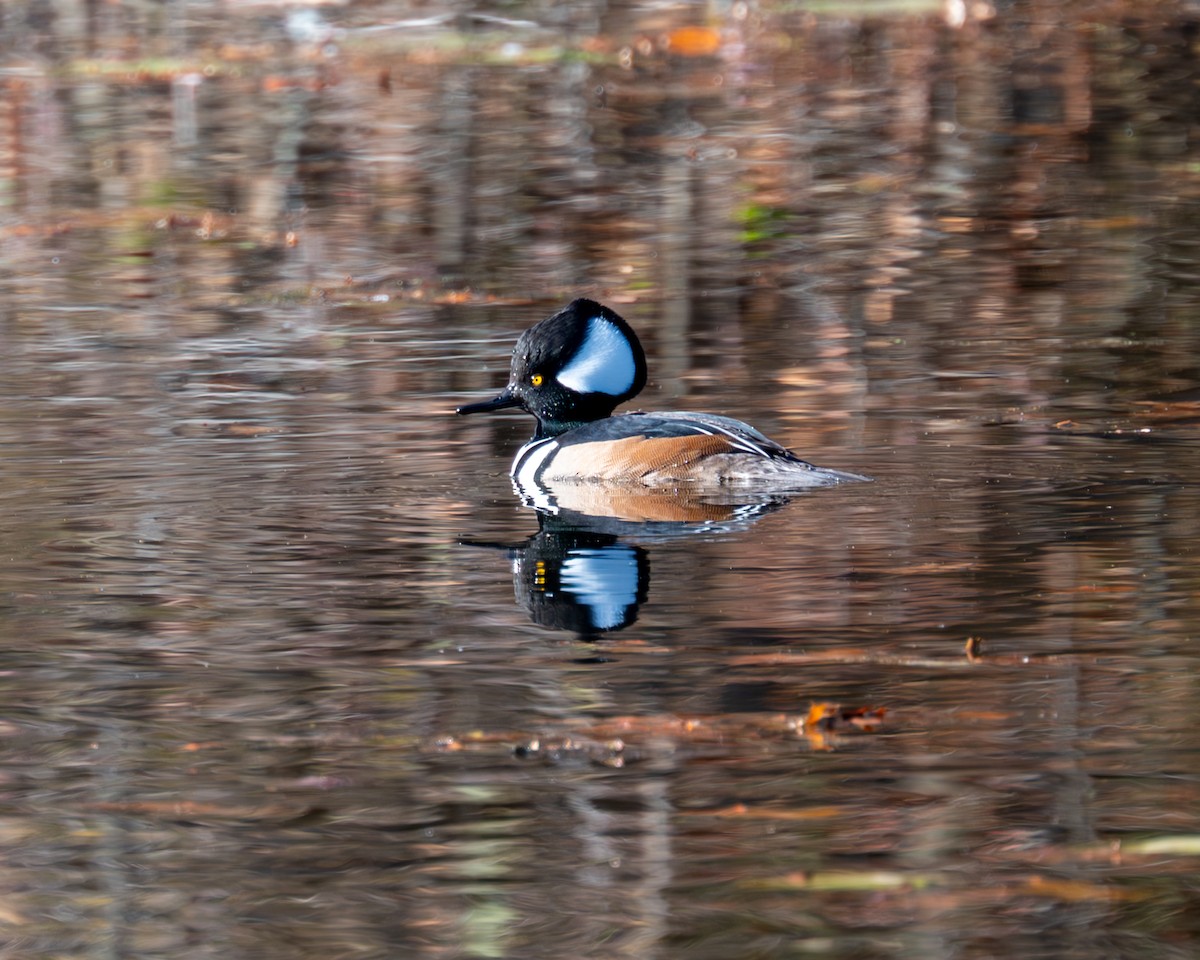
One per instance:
[(603, 363)]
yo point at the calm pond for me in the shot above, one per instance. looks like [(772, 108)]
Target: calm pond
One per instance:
[(289, 670)]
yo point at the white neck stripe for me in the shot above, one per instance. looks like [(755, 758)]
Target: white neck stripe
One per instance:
[(529, 460)]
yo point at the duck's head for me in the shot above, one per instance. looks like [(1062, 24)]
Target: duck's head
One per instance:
[(572, 368)]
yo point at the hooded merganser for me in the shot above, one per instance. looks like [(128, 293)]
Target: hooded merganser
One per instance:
[(571, 370)]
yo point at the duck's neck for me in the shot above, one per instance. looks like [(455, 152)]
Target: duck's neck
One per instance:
[(554, 428)]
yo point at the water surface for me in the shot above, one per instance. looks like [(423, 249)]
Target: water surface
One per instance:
[(289, 670)]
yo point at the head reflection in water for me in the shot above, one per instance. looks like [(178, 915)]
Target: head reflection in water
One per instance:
[(588, 583)]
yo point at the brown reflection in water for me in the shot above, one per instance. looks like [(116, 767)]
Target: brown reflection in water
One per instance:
[(250, 264), (890, 185)]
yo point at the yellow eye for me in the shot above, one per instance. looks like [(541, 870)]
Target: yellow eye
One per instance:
[(536, 379)]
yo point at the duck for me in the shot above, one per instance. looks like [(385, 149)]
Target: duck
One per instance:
[(573, 369)]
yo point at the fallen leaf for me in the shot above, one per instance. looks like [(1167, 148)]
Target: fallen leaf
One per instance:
[(694, 41)]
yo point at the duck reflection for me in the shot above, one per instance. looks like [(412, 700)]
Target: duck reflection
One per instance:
[(587, 569), (576, 579)]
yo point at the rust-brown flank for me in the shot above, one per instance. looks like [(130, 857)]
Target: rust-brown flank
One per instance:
[(635, 457)]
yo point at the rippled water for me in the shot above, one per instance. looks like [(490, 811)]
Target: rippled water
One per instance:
[(289, 669)]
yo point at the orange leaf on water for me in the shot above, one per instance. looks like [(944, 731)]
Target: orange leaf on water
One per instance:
[(694, 41), (832, 717)]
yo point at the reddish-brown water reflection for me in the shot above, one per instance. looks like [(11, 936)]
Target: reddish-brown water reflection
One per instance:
[(279, 671)]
